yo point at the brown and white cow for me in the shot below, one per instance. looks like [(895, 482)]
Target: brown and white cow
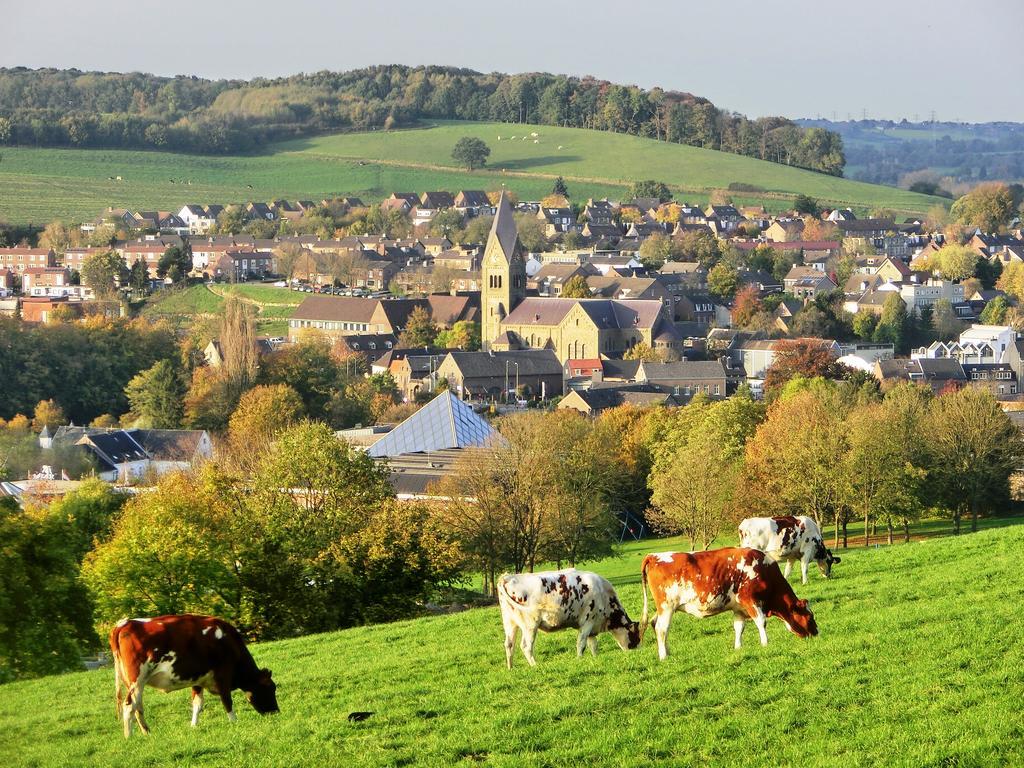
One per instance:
[(556, 600), (174, 652), (744, 581), (789, 539)]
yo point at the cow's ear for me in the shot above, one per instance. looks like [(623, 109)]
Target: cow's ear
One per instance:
[(265, 675), (801, 603), (836, 559)]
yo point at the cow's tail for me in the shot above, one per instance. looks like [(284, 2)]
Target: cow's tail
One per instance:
[(643, 587), (116, 656)]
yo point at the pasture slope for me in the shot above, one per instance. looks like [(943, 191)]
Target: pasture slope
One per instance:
[(273, 305), (918, 664), (77, 184)]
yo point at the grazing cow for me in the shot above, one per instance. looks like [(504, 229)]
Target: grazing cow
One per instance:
[(557, 600), (744, 581), (789, 539), (174, 652)]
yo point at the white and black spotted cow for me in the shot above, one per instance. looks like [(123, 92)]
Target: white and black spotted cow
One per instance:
[(556, 600), (789, 539)]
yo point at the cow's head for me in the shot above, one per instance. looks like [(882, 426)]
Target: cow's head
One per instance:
[(626, 633), (825, 559), (800, 620), (263, 694)]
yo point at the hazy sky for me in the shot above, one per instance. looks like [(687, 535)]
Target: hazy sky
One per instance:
[(799, 58)]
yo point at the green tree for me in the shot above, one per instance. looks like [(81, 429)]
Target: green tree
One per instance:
[(420, 330), (138, 276), (157, 396), (45, 622), (698, 245), (175, 264), (655, 250), (994, 312), (804, 204), (308, 368), (987, 207), (471, 152), (103, 272), (90, 510), (447, 223), (531, 233), (892, 325), (576, 288), (945, 323), (864, 324), (262, 413), (643, 351), (560, 188), (650, 188), (722, 280), (956, 262), (974, 450)]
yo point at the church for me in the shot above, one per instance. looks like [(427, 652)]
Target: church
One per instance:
[(574, 328)]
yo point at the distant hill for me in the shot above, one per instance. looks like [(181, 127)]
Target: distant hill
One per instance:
[(42, 184), (70, 108), (956, 155)]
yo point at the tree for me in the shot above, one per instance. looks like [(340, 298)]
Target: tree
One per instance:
[(945, 322), (90, 511), (1011, 280), (994, 312), (447, 223), (262, 413), (157, 396), (103, 272), (892, 325), (722, 280), (175, 264), (974, 449), (309, 368), (48, 414), (576, 288), (801, 357), (642, 351), (654, 250), (650, 188), (746, 306), (419, 331), (56, 236), (560, 188), (698, 245), (464, 335), (956, 262), (988, 207), (45, 621), (237, 338), (864, 324), (138, 275), (471, 152), (286, 255), (806, 205), (531, 232)]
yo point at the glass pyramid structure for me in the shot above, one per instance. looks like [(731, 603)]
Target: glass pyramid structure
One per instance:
[(444, 422)]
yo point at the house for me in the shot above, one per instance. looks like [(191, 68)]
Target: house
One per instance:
[(372, 346), (18, 259), (881, 234), (242, 263), (473, 202), (338, 316), (727, 216), (918, 293), (599, 213), (556, 220), (807, 282), (488, 375), (591, 402), (756, 356), (75, 258), (199, 219), (145, 251), (127, 455), (939, 374), (259, 211), (998, 378), (785, 313), (784, 230), (45, 281), (214, 356), (43, 309), (415, 371), (685, 378), (841, 214)]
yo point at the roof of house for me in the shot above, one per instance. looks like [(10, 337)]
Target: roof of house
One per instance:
[(169, 444), (530, 362), (347, 308), (444, 422), (697, 369), (601, 398)]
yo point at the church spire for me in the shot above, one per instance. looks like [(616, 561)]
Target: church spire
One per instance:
[(503, 228)]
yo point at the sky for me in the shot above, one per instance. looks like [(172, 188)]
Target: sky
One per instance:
[(798, 58)]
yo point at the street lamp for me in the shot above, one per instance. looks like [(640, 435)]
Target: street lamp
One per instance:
[(507, 363)]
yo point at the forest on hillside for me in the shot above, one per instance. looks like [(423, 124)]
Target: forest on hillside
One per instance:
[(70, 108)]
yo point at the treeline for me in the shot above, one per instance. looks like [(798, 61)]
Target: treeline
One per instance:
[(48, 107)]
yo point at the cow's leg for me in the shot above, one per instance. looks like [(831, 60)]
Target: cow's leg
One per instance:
[(526, 643), (223, 683), (803, 569), (197, 703), (581, 640), (759, 621), (140, 717), (661, 625), (510, 641), (789, 569), (738, 624), (592, 644)]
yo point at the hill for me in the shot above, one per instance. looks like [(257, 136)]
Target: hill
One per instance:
[(41, 184), (273, 305), (917, 664)]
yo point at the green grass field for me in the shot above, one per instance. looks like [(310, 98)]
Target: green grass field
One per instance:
[(273, 305), (918, 664), (77, 184)]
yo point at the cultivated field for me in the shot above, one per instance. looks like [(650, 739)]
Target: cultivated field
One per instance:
[(273, 305), (42, 184), (918, 664)]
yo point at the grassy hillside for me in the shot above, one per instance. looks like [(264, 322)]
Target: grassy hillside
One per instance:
[(42, 184), (273, 305), (918, 664)]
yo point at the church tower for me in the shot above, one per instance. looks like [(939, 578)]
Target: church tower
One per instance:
[(502, 273)]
